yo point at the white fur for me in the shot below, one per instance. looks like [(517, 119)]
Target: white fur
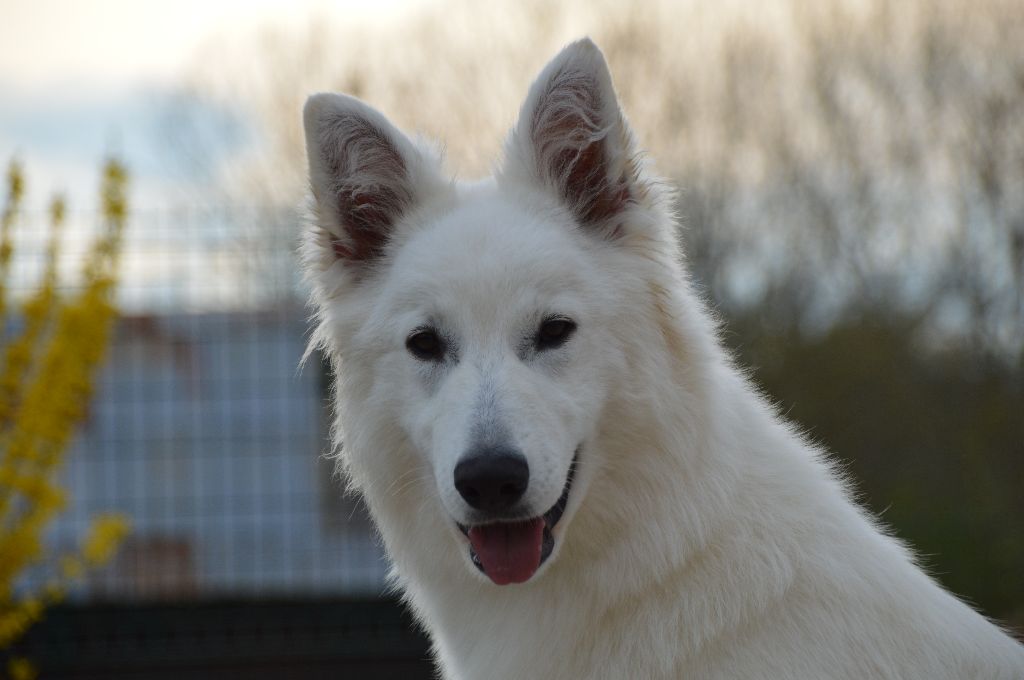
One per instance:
[(704, 537)]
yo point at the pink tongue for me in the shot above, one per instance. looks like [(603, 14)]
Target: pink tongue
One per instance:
[(509, 551)]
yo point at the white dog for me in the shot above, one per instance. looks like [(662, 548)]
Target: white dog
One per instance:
[(571, 477)]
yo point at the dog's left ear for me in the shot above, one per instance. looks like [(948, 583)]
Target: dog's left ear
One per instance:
[(572, 139)]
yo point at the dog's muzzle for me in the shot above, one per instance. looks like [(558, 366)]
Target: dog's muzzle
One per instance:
[(512, 551)]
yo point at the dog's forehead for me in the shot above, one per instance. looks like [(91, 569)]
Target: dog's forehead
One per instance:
[(492, 249)]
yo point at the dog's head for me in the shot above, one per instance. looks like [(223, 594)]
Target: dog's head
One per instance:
[(474, 326)]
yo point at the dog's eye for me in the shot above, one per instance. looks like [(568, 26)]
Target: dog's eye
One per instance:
[(425, 344), (554, 332)]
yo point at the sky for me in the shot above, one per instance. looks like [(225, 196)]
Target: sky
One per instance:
[(81, 79)]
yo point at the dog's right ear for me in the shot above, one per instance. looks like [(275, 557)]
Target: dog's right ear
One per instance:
[(363, 172), (573, 140)]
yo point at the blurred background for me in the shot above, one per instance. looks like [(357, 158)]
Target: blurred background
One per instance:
[(851, 178)]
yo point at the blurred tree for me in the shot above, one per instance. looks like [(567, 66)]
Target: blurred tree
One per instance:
[(45, 385), (934, 443)]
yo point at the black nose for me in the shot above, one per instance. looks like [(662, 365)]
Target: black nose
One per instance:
[(492, 479)]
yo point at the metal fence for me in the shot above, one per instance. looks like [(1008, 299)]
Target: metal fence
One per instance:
[(203, 430)]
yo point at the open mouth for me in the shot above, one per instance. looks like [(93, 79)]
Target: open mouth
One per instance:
[(512, 551)]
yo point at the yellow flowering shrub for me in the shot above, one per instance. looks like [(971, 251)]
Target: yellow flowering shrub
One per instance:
[(49, 360)]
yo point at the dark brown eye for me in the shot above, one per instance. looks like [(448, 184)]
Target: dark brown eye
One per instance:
[(425, 344), (554, 332)]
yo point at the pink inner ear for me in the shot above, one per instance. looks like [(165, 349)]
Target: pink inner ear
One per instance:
[(367, 217), (370, 186), (588, 187), (341, 251), (564, 125)]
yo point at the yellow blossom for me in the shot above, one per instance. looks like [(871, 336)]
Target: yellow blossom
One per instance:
[(21, 669), (107, 533), (15, 191), (45, 384)]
